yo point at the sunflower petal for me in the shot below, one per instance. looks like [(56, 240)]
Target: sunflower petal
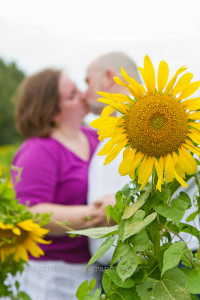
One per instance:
[(192, 104), (188, 161), (115, 151), (127, 162), (182, 83), (191, 89), (107, 111), (132, 82), (159, 170), (138, 158), (121, 107), (145, 170), (163, 74), (171, 83), (148, 74)]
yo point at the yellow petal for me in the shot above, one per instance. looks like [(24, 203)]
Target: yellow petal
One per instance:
[(104, 122), (127, 162), (190, 146), (106, 148), (133, 83), (170, 171), (191, 89), (107, 111), (119, 81), (169, 176), (115, 151), (121, 107), (148, 74), (195, 136), (138, 158), (188, 161), (21, 253), (163, 74), (195, 125), (192, 104), (116, 97), (159, 170), (173, 80), (127, 151), (16, 230), (145, 170), (182, 83), (178, 165), (194, 116)]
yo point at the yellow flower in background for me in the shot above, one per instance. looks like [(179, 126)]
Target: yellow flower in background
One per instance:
[(155, 128), (20, 239)]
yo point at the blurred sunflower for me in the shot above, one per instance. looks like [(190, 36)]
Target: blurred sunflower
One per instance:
[(20, 238), (156, 127)]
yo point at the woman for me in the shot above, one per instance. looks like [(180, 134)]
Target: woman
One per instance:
[(54, 161)]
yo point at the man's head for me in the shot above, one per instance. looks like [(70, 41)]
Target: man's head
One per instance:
[(100, 74)]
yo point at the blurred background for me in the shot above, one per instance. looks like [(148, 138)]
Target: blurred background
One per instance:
[(70, 34)]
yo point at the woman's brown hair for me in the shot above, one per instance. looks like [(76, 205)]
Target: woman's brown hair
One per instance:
[(37, 103)]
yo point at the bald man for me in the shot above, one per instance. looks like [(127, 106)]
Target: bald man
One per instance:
[(105, 180)]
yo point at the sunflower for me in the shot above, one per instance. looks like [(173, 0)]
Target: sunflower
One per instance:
[(20, 238), (156, 128)]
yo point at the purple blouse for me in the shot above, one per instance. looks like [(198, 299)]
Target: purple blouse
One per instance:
[(54, 174)]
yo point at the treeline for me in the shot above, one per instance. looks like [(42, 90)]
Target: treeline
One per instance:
[(10, 78)]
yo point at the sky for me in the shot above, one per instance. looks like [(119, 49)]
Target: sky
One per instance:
[(69, 34)]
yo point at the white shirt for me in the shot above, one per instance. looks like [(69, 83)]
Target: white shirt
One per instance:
[(104, 180)]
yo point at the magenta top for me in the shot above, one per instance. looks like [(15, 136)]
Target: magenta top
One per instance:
[(54, 174)]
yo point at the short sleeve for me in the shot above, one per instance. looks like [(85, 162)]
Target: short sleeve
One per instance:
[(39, 176)]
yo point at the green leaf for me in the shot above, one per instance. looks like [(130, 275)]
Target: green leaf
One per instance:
[(189, 229), (128, 283), (130, 210), (101, 250), (172, 256), (96, 233), (192, 216), (108, 210), (84, 291), (23, 296), (127, 265), (156, 198), (174, 212), (136, 223), (171, 287), (140, 241), (185, 197), (117, 210), (193, 282), (120, 250)]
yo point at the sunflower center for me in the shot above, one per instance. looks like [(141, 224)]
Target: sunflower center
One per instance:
[(156, 125), (158, 121)]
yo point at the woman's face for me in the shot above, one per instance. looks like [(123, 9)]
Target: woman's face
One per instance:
[(72, 101)]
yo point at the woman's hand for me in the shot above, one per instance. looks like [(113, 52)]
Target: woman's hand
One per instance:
[(98, 213)]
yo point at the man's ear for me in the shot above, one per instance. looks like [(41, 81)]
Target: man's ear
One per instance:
[(108, 78)]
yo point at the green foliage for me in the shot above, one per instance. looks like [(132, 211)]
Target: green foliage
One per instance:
[(145, 262), (84, 291), (12, 212), (10, 78), (102, 249)]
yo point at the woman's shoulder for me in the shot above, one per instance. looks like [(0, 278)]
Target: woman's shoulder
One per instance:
[(37, 148)]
